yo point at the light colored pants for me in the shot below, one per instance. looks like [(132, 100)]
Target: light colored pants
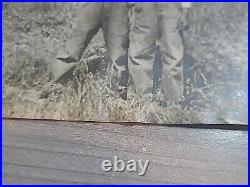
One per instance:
[(113, 19), (118, 44), (152, 21), (90, 18)]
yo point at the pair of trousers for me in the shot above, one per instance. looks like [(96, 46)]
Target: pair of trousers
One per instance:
[(112, 18), (157, 23)]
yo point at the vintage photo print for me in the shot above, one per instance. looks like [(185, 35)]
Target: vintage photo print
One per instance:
[(166, 63)]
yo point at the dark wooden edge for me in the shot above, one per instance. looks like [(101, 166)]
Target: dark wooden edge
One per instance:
[(240, 127)]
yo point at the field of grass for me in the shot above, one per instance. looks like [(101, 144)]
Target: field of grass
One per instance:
[(216, 69)]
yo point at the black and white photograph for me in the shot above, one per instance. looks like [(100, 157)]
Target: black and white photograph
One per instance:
[(126, 62), (125, 92)]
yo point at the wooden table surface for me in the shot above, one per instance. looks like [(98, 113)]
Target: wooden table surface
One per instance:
[(49, 152)]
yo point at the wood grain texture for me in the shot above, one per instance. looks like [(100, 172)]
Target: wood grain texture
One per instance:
[(37, 152)]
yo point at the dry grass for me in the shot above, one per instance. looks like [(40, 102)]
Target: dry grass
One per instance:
[(216, 76)]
